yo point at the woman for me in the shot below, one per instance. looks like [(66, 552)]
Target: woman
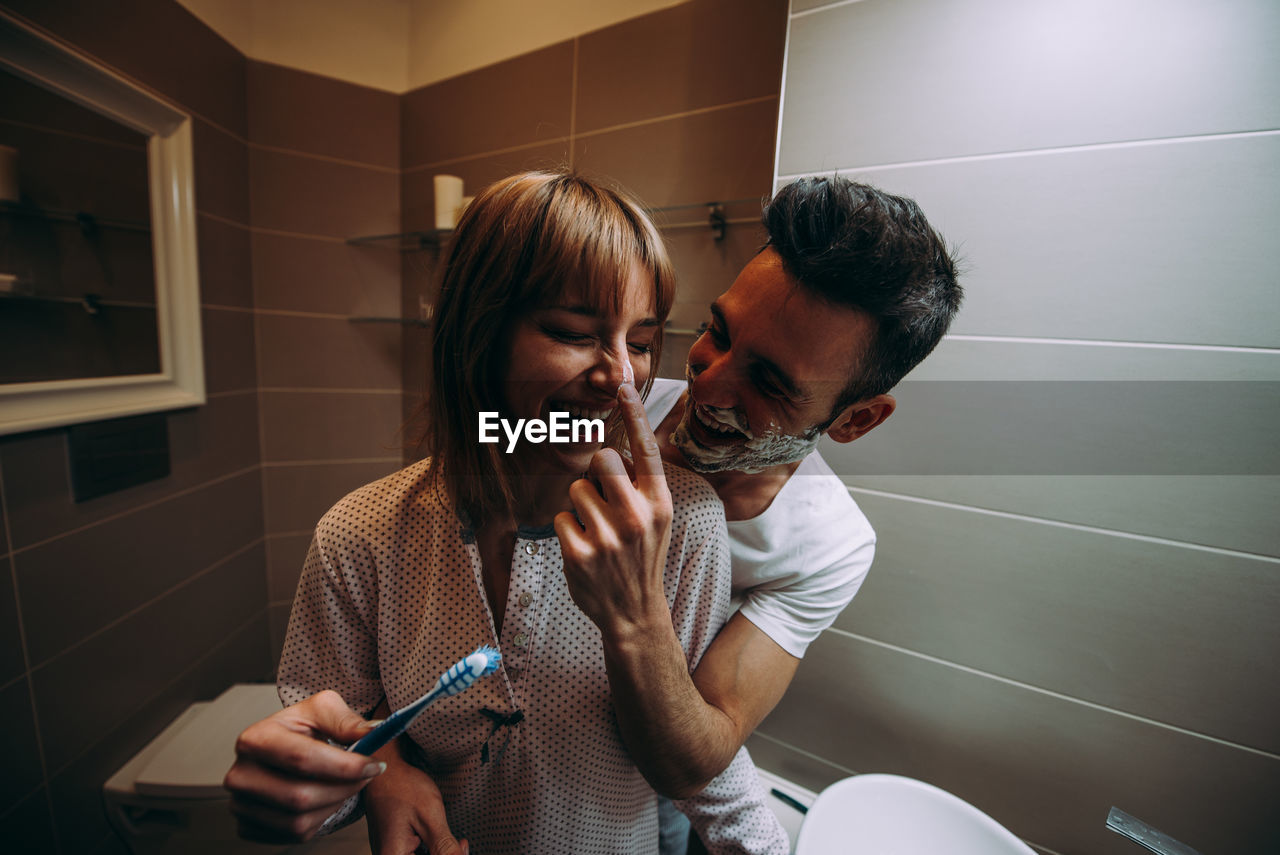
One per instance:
[(552, 300)]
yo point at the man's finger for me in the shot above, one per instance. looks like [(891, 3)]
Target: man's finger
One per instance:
[(644, 445)]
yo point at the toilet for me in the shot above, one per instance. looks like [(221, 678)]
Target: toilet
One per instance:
[(168, 799)]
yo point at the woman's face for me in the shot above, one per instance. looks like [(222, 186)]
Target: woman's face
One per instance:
[(568, 357)]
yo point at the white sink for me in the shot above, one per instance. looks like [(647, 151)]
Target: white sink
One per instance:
[(892, 815)]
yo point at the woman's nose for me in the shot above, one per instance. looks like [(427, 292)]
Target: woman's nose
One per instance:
[(612, 369)]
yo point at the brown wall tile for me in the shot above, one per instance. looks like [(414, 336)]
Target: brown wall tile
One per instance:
[(320, 115), (307, 195), (28, 826), (224, 257), (721, 155), (297, 496), (286, 553), (314, 275), (222, 173), (121, 565), (516, 102), (694, 55), (301, 352), (204, 443), (158, 43), (418, 194), (22, 753), (146, 652), (11, 661), (304, 425), (230, 359)]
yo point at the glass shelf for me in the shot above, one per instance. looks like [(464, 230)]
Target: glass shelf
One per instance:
[(405, 241)]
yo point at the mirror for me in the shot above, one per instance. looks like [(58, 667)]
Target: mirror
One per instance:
[(99, 293)]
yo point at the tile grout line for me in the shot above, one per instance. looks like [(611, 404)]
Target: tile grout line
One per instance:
[(977, 672), (26, 662), (328, 390), (283, 464), (229, 557), (1034, 152), (326, 158), (804, 13), (1089, 529), (145, 506)]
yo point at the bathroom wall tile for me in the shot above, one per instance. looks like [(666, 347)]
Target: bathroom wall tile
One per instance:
[(418, 196), (59, 113), (118, 566), (1040, 264), (11, 662), (157, 43), (321, 115), (1068, 428), (286, 553), (720, 155), (298, 495), (225, 259), (18, 738), (230, 355), (517, 102), (807, 5), (206, 442), (312, 196), (1046, 767), (138, 658), (28, 826), (4, 527), (331, 353), (325, 276), (706, 267), (1006, 63), (221, 173), (690, 56), (1164, 506), (304, 425), (77, 788), (1098, 617)]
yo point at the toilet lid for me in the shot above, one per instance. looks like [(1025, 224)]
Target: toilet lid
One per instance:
[(192, 764)]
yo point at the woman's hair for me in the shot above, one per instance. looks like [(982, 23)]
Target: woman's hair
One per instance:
[(523, 243)]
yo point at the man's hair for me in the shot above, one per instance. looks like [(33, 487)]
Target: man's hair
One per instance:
[(858, 247), (525, 242)]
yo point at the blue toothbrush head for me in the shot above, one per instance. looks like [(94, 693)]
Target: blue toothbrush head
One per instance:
[(460, 677)]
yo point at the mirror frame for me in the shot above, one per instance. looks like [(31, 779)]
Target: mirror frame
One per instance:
[(26, 52)]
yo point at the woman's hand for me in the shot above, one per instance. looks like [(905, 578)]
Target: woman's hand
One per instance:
[(286, 781), (614, 560), (405, 811)]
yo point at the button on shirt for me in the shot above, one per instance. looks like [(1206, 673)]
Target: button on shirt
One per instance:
[(392, 594)]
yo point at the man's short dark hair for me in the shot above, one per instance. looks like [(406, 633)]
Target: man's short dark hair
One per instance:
[(858, 247)]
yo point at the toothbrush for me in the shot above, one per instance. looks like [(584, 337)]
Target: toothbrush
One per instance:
[(457, 679)]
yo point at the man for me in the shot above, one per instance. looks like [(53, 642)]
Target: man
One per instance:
[(853, 289)]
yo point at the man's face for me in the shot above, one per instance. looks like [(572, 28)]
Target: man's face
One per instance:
[(766, 373)]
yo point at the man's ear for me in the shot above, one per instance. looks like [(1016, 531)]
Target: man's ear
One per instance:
[(859, 418)]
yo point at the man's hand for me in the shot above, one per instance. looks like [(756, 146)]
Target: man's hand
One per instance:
[(405, 811), (614, 560), (285, 781)]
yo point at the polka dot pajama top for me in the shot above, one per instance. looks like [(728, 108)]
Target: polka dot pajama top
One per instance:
[(530, 759)]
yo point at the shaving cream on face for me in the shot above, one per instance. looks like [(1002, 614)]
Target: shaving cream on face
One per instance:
[(753, 454)]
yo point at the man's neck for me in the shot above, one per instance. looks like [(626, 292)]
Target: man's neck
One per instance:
[(744, 495)]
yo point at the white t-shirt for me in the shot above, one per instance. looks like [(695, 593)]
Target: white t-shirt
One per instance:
[(798, 564)]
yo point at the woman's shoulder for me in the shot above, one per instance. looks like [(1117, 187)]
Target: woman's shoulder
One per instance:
[(384, 503), (692, 498)]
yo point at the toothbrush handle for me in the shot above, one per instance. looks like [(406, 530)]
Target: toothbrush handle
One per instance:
[(395, 724)]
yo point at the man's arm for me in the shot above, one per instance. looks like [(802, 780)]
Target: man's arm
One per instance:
[(684, 729), (681, 730)]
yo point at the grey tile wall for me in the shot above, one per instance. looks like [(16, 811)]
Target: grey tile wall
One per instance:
[(1049, 632)]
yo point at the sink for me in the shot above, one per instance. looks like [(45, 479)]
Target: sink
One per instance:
[(893, 815)]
